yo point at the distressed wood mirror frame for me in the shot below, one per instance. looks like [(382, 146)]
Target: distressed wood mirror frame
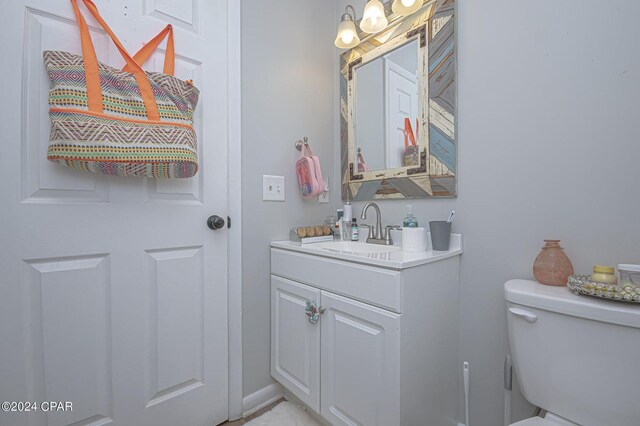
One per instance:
[(436, 176)]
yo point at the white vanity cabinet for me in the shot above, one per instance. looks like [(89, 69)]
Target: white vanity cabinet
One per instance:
[(359, 354), (295, 342), (384, 348), (360, 359)]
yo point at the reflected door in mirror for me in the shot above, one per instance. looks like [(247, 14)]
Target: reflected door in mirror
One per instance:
[(386, 95)]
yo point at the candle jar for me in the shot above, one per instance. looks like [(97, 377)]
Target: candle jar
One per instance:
[(604, 274)]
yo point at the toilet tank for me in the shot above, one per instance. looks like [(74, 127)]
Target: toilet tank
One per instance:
[(575, 356)]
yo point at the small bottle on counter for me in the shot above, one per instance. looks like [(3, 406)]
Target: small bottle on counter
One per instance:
[(604, 274), (339, 232), (346, 221), (355, 230)]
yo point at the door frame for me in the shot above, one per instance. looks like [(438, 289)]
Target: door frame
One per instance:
[(234, 180)]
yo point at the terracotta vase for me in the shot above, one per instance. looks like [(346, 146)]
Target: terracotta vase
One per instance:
[(552, 266)]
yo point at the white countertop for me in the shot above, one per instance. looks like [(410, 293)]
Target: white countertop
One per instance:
[(393, 260)]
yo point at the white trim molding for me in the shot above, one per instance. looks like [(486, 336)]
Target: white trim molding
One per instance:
[(234, 241), (262, 398)]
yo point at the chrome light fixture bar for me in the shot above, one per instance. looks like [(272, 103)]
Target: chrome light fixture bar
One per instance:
[(375, 20)]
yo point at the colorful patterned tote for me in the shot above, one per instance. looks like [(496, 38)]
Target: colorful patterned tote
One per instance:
[(120, 122)]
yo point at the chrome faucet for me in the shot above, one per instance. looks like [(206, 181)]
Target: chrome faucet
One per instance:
[(377, 234)]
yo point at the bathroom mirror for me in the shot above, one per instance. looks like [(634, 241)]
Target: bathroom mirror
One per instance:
[(398, 108)]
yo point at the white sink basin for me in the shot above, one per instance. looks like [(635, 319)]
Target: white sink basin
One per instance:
[(372, 254), (355, 247)]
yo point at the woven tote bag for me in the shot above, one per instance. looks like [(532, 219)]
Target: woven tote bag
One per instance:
[(120, 122)]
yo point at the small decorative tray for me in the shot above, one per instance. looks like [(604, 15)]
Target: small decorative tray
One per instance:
[(582, 284)]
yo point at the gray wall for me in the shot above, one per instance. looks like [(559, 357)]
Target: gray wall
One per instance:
[(287, 93), (549, 148)]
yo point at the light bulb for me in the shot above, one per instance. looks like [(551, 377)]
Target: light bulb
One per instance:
[(347, 37), (406, 7), (373, 19), (347, 34)]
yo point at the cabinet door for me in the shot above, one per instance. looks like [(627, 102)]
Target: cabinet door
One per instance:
[(295, 342), (360, 363)]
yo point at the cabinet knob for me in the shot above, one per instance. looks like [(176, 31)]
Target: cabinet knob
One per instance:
[(313, 311)]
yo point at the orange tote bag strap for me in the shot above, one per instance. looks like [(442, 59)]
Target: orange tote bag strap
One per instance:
[(146, 51), (408, 133), (92, 74), (94, 91)]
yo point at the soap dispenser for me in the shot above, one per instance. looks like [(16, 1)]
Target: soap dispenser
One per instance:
[(410, 221)]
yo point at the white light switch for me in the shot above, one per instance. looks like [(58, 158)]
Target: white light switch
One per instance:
[(272, 188)]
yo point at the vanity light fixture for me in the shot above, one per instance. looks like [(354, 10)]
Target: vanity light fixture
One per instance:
[(347, 34), (405, 7), (374, 18)]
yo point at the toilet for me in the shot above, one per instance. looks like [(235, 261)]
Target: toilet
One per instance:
[(576, 357)]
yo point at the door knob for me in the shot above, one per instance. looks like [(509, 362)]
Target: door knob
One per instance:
[(215, 222)]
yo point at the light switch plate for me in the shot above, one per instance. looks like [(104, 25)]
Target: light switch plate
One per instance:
[(272, 188)]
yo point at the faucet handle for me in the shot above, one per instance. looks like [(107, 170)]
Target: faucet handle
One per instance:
[(372, 229), (387, 233)]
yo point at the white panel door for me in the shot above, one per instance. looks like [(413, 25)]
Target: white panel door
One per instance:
[(113, 291), (402, 102), (360, 363), (295, 342)]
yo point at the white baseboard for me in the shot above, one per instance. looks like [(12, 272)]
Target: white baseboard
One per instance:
[(261, 398)]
